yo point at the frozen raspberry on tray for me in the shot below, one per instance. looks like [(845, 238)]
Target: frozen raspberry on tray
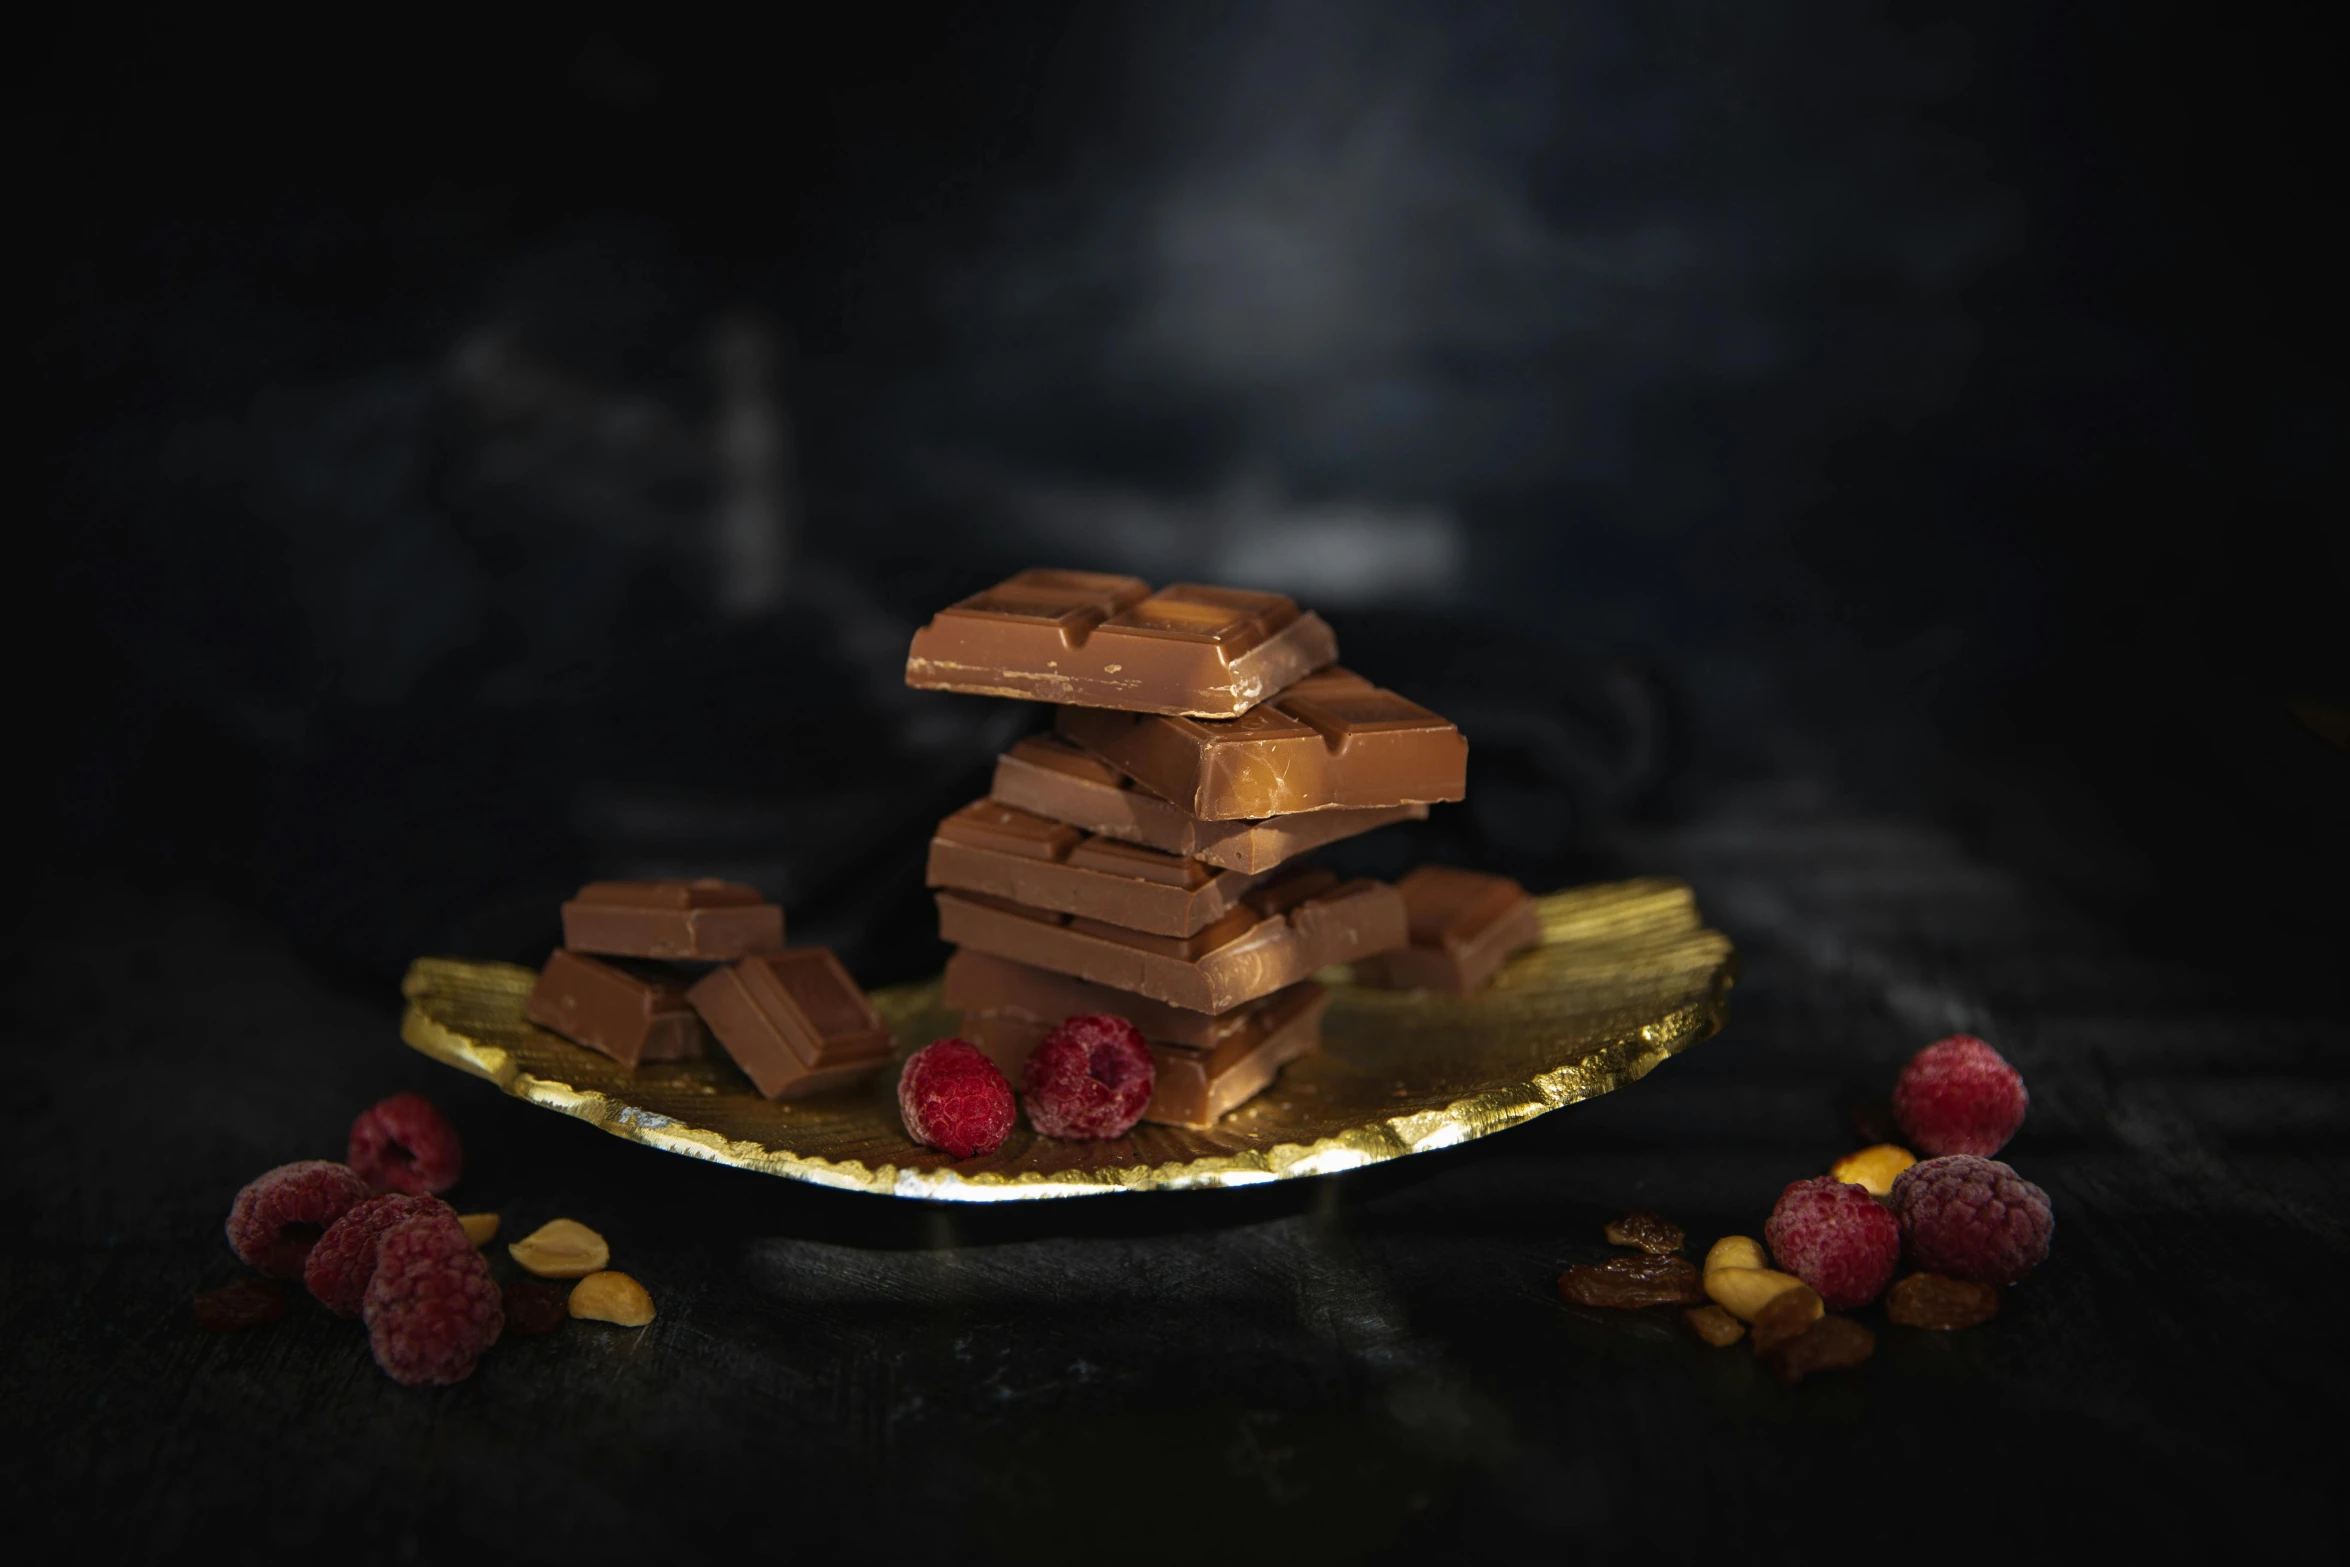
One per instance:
[(1091, 1077), (1958, 1095), (432, 1307), (1836, 1238), (405, 1145), (1973, 1218), (344, 1259), (953, 1098), (278, 1217)]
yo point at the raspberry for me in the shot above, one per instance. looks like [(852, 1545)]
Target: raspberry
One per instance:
[(1973, 1219), (1958, 1095), (1091, 1077), (1836, 1238), (953, 1098), (405, 1145), (432, 1307), (278, 1217), (344, 1259)]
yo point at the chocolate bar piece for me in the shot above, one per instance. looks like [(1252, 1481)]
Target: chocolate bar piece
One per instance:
[(1101, 641), (793, 1021), (712, 921), (978, 982), (1051, 777), (630, 1012), (1464, 926), (1191, 1087), (1331, 740), (996, 849), (1282, 932)]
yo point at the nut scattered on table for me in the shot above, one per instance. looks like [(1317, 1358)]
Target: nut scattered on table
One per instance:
[(1716, 1326), (612, 1297), (480, 1228), (1929, 1300), (1788, 1315), (1736, 1251), (1873, 1168), (1651, 1233), (561, 1249), (1743, 1292)]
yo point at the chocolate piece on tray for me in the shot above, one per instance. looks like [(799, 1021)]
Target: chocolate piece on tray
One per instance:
[(1283, 931), (1192, 1086), (793, 1021), (1051, 777), (1331, 740), (705, 920), (1102, 641), (1003, 851), (630, 1012), (1464, 926)]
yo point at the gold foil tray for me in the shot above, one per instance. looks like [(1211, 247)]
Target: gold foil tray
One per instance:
[(1626, 975)]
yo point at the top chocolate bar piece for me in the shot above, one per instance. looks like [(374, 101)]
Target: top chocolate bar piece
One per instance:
[(1088, 639), (706, 920)]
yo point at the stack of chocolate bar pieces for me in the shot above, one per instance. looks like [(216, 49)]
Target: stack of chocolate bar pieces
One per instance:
[(1139, 859), (649, 970)]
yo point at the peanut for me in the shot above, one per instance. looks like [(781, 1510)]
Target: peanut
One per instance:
[(1744, 1291), (612, 1297), (1736, 1251), (561, 1249), (480, 1228), (1873, 1168)]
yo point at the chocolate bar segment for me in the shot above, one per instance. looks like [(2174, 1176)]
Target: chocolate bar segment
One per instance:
[(1333, 740), (706, 920), (629, 1012), (1250, 957), (978, 982), (1191, 1087), (996, 849), (1464, 926), (793, 1021), (1048, 776), (1102, 641)]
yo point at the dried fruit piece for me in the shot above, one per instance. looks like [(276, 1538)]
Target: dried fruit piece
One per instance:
[(1631, 1282), (1830, 1344), (1873, 1168), (954, 1099), (480, 1228), (1973, 1219), (1744, 1291), (1659, 1237), (343, 1261), (279, 1216), (1089, 1078), (1736, 1251), (1930, 1300), (1836, 1238), (534, 1306), (1716, 1326), (404, 1144), (612, 1297), (1789, 1314), (432, 1307), (1958, 1095), (561, 1249), (247, 1303)]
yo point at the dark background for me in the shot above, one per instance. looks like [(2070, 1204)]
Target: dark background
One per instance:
[(1807, 449)]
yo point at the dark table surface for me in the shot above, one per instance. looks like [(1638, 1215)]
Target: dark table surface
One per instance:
[(1335, 1368)]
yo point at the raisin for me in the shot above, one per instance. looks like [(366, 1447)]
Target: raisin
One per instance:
[(1830, 1344), (1716, 1326), (1788, 1315), (1659, 1237), (248, 1303), (1630, 1282), (1928, 1300), (534, 1306)]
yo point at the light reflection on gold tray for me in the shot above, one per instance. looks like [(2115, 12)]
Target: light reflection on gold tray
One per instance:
[(1626, 976)]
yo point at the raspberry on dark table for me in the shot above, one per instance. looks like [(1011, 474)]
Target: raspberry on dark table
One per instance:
[(1972, 1218), (432, 1307), (1089, 1078), (279, 1216), (1958, 1095), (1836, 1238), (404, 1144), (344, 1259), (954, 1099), (533, 1306), (247, 1303)]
